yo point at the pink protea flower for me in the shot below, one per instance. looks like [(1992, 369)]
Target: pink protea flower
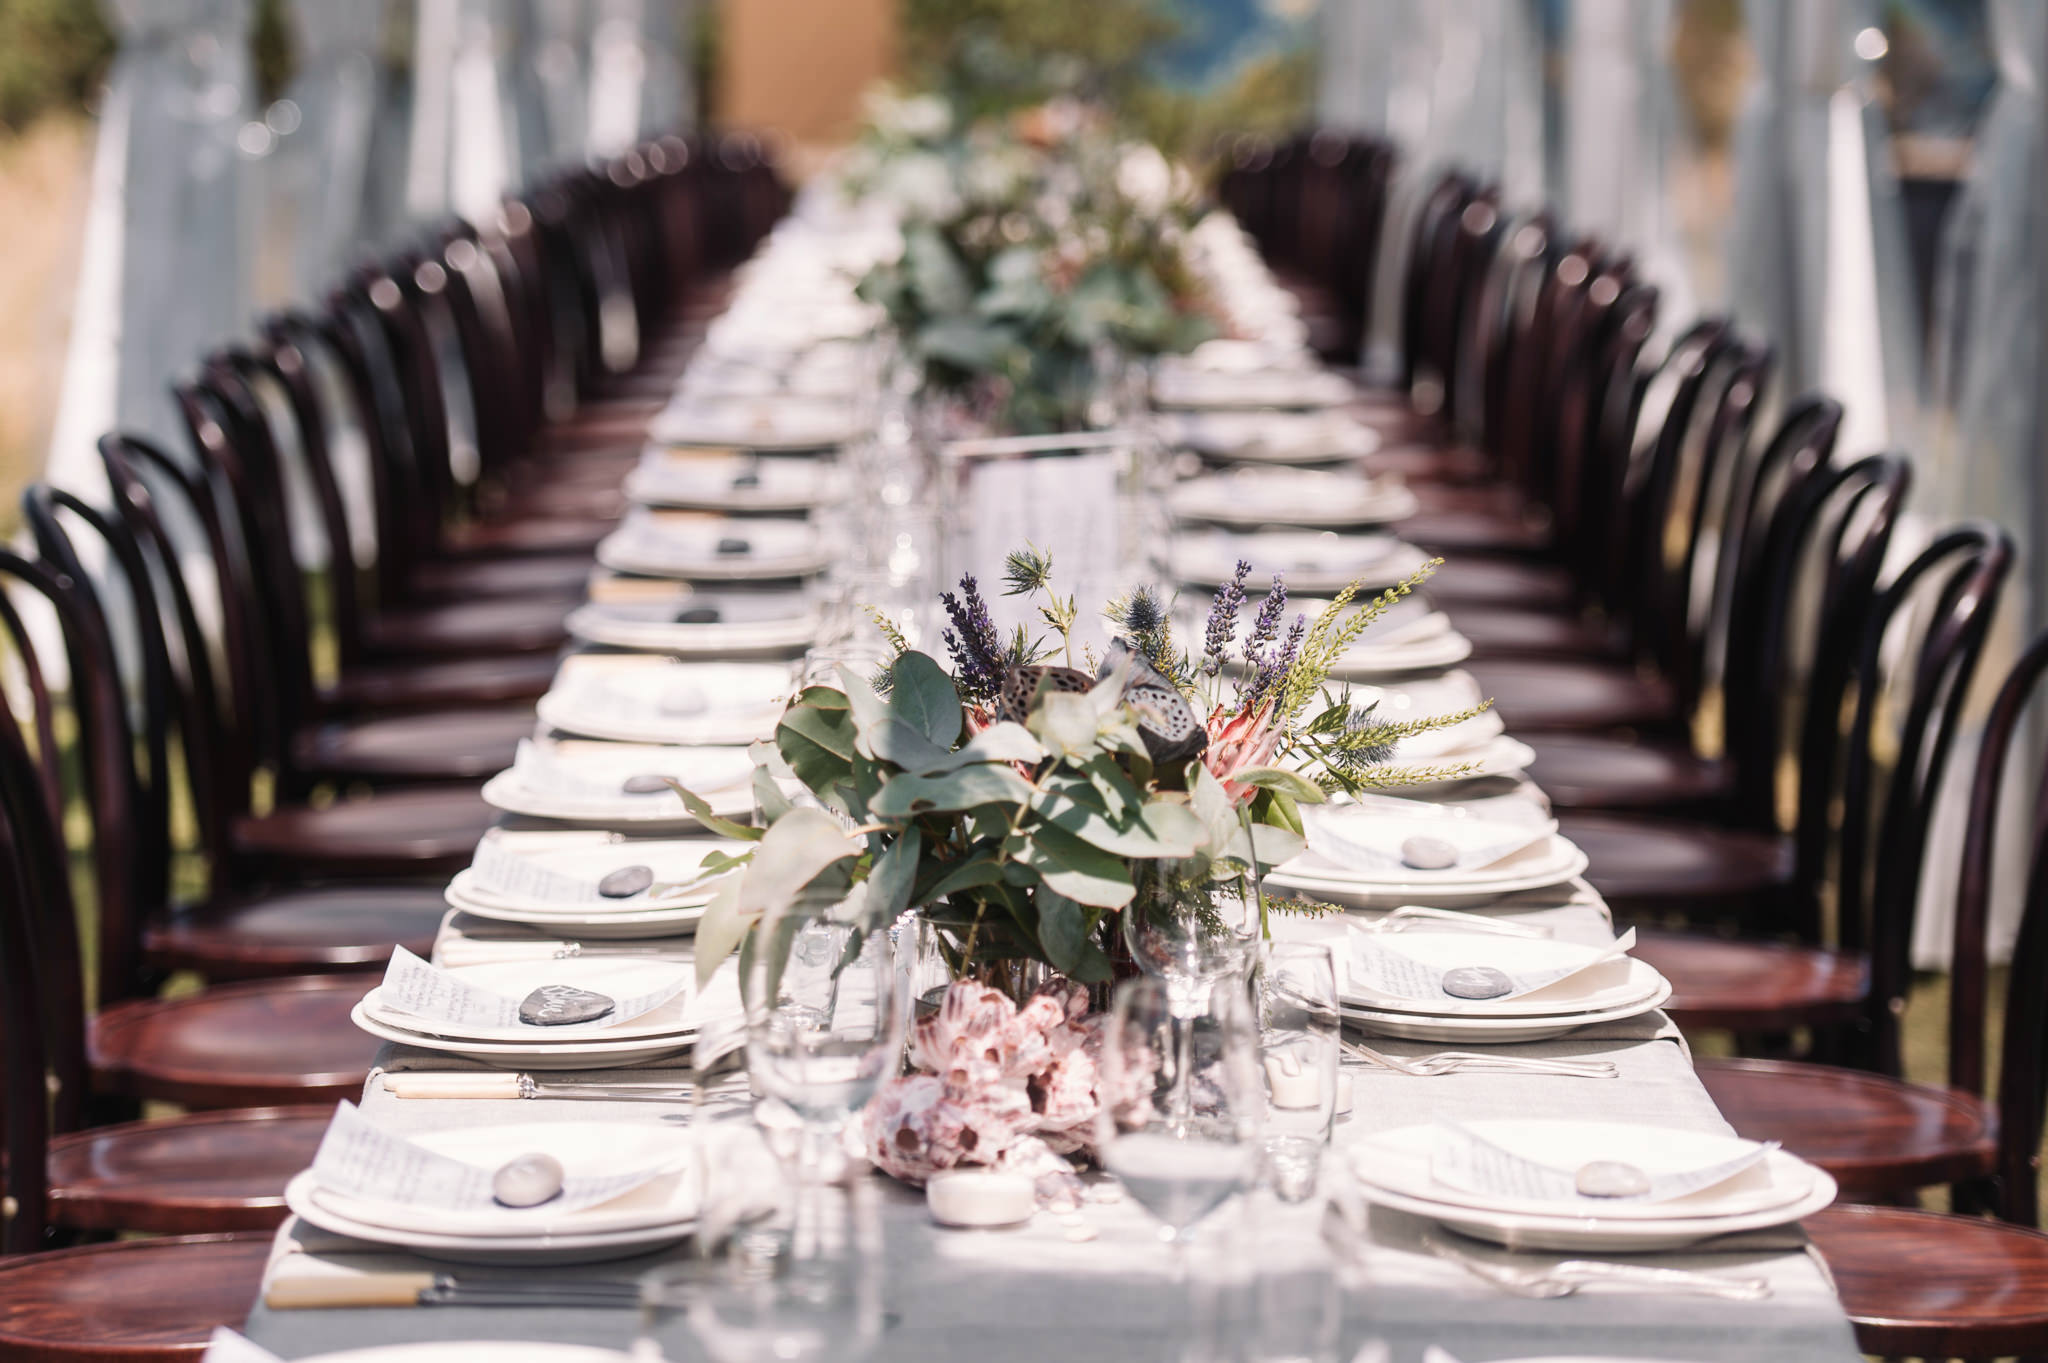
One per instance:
[(1238, 741)]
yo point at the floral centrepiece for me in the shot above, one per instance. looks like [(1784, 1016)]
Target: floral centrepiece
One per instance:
[(1018, 802)]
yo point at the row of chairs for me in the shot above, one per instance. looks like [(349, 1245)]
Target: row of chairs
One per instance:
[(278, 769), (1744, 672)]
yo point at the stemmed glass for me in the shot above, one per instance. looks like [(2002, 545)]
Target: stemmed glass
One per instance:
[(825, 1025), (1296, 990), (1178, 1123)]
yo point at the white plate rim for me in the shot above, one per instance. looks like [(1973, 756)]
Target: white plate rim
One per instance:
[(504, 791), (1558, 851), (1494, 1031), (588, 623), (560, 1055), (1643, 981), (298, 1199)]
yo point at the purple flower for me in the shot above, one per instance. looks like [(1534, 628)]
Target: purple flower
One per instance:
[(1266, 624), (976, 647), (1269, 668), (1222, 631)]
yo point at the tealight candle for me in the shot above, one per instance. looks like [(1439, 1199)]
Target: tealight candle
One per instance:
[(980, 1198), (1289, 1085), (1343, 1104)]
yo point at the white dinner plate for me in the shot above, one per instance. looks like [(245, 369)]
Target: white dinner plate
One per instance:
[(1399, 1161), (587, 1054), (614, 976), (690, 704), (1438, 651), (1311, 560), (710, 548), (1551, 862), (584, 1148), (300, 1196), (763, 423), (1284, 388), (1484, 1031), (471, 1350), (565, 780), (1496, 756), (581, 921), (724, 480), (1248, 498), (541, 857), (1576, 1233), (655, 629), (1602, 988)]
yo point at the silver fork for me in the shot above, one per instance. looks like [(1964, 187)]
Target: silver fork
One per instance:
[(1450, 1062), (1567, 1276)]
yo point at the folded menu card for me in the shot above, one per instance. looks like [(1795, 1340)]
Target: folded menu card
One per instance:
[(499, 868), (414, 987), (1462, 1158), (359, 1159), (1374, 833), (1380, 965)]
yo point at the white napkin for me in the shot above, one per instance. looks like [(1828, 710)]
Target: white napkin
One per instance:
[(423, 990), (359, 1159), (1378, 964), (1367, 836), (227, 1346), (1462, 1158)]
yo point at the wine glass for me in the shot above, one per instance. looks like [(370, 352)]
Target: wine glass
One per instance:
[(1180, 1166), (741, 1306), (825, 1024), (1192, 931), (1296, 989)]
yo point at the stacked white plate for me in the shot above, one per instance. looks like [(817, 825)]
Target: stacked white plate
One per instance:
[(669, 1029), (646, 700), (1603, 992), (583, 781), (465, 1351), (1395, 1170), (658, 1213), (707, 547), (1273, 437), (1353, 854), (760, 423), (1249, 496), (702, 624), (1286, 388), (727, 480), (554, 870), (1312, 560)]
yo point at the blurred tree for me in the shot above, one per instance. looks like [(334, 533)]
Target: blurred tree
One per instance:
[(994, 55), (272, 53), (52, 55)]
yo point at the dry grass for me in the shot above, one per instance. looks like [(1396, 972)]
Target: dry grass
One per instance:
[(43, 184)]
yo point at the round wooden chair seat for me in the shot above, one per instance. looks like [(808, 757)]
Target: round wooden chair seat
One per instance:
[(420, 831), (467, 628), (1502, 632), (1500, 580), (466, 579), (1643, 863), (1927, 1285), (564, 500), (298, 931), (204, 1171), (137, 1301), (1595, 771), (453, 681), (1426, 458), (256, 1043), (1545, 695), (434, 745), (1877, 1135), (538, 535), (1754, 986)]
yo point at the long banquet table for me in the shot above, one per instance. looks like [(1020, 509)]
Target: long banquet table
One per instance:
[(1040, 1291)]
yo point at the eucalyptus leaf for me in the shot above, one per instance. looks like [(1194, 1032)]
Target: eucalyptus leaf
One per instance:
[(982, 784), (721, 929), (1067, 932), (1164, 836), (768, 796), (923, 697), (818, 745), (700, 810), (800, 845), (1294, 784), (944, 878), (1081, 872), (1273, 846), (894, 873), (897, 743), (1004, 742), (1066, 722)]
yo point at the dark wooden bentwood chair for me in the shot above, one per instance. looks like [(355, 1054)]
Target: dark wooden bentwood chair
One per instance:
[(1920, 1283)]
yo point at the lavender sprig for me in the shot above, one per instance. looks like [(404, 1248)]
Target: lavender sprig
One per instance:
[(1266, 624), (1222, 628), (976, 647), (1269, 668)]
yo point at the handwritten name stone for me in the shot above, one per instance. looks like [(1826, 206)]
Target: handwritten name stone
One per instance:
[(1425, 853), (563, 1005), (626, 882), (1476, 982), (527, 1181)]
